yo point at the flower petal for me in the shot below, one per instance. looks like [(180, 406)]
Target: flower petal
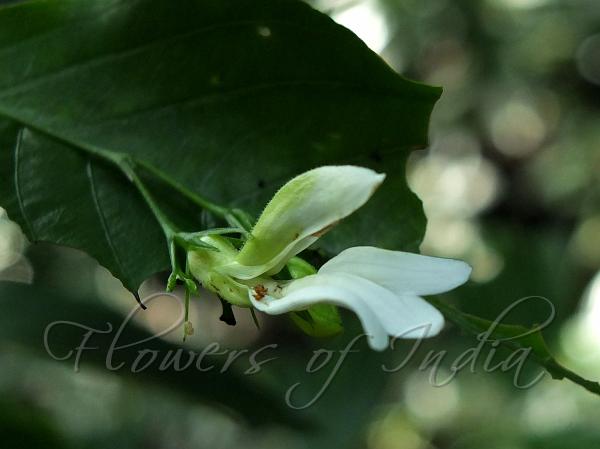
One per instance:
[(300, 212), (12, 241), (302, 293), (402, 316), (380, 311), (399, 272)]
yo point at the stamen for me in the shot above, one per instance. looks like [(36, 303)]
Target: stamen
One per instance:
[(260, 291)]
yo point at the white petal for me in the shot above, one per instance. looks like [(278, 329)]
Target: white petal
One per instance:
[(402, 316), (402, 273), (380, 311), (12, 242), (326, 289), (300, 212)]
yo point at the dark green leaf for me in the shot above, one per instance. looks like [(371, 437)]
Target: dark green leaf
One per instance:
[(230, 98)]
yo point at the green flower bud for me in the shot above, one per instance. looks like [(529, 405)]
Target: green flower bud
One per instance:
[(202, 264)]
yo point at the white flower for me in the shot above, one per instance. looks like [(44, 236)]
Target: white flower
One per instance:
[(13, 264), (382, 287)]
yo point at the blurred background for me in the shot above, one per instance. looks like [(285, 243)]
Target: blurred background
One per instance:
[(510, 183)]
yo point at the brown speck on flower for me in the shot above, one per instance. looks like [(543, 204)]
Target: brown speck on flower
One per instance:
[(260, 292), (325, 229)]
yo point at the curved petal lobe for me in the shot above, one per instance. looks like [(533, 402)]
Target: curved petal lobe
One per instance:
[(399, 272)]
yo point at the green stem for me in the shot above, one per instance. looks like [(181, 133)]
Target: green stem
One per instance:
[(234, 217), (186, 318), (193, 196), (128, 166), (475, 326), (124, 162)]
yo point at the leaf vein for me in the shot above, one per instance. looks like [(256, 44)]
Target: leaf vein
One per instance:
[(224, 95), (113, 56), (18, 193), (102, 217)]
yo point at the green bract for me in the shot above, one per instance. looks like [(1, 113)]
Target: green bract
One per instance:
[(202, 263)]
